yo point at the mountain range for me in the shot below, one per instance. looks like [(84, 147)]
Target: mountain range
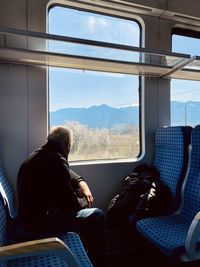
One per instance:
[(104, 116)]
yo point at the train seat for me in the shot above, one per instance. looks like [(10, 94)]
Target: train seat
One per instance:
[(17, 233), (171, 158), (177, 236), (51, 252)]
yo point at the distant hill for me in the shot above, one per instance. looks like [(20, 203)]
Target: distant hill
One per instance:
[(104, 116)]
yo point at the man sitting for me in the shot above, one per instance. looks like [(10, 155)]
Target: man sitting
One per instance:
[(47, 193)]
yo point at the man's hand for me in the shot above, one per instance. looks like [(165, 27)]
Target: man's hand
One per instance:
[(84, 191)]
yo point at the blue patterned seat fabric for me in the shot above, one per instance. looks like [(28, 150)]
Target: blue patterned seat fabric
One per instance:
[(71, 239), (5, 187), (171, 158), (73, 242), (168, 233)]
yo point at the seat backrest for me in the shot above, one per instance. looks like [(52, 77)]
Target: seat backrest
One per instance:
[(171, 158), (52, 259), (3, 228), (191, 193), (5, 188), (3, 223)]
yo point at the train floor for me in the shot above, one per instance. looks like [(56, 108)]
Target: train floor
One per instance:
[(125, 248), (137, 258)]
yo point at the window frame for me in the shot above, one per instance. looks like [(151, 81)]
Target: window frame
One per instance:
[(121, 15), (184, 32)]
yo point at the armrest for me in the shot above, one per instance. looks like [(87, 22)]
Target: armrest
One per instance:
[(192, 236), (38, 247)]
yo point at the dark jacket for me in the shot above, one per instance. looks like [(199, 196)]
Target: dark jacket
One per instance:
[(46, 186)]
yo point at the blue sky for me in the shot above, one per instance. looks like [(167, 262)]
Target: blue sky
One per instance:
[(185, 90), (75, 23), (79, 88), (91, 88)]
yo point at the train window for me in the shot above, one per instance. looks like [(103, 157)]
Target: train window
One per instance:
[(185, 94), (101, 108)]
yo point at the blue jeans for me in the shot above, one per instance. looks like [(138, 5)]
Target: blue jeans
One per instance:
[(90, 223)]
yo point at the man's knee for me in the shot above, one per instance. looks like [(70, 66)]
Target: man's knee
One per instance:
[(95, 216), (92, 217), (98, 214)]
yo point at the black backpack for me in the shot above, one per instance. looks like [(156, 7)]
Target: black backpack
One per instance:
[(144, 195)]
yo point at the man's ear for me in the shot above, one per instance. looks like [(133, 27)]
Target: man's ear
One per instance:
[(68, 147)]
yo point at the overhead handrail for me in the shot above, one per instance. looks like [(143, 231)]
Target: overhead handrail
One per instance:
[(145, 62), (83, 41)]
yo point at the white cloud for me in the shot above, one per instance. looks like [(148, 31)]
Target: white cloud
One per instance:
[(91, 24)]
